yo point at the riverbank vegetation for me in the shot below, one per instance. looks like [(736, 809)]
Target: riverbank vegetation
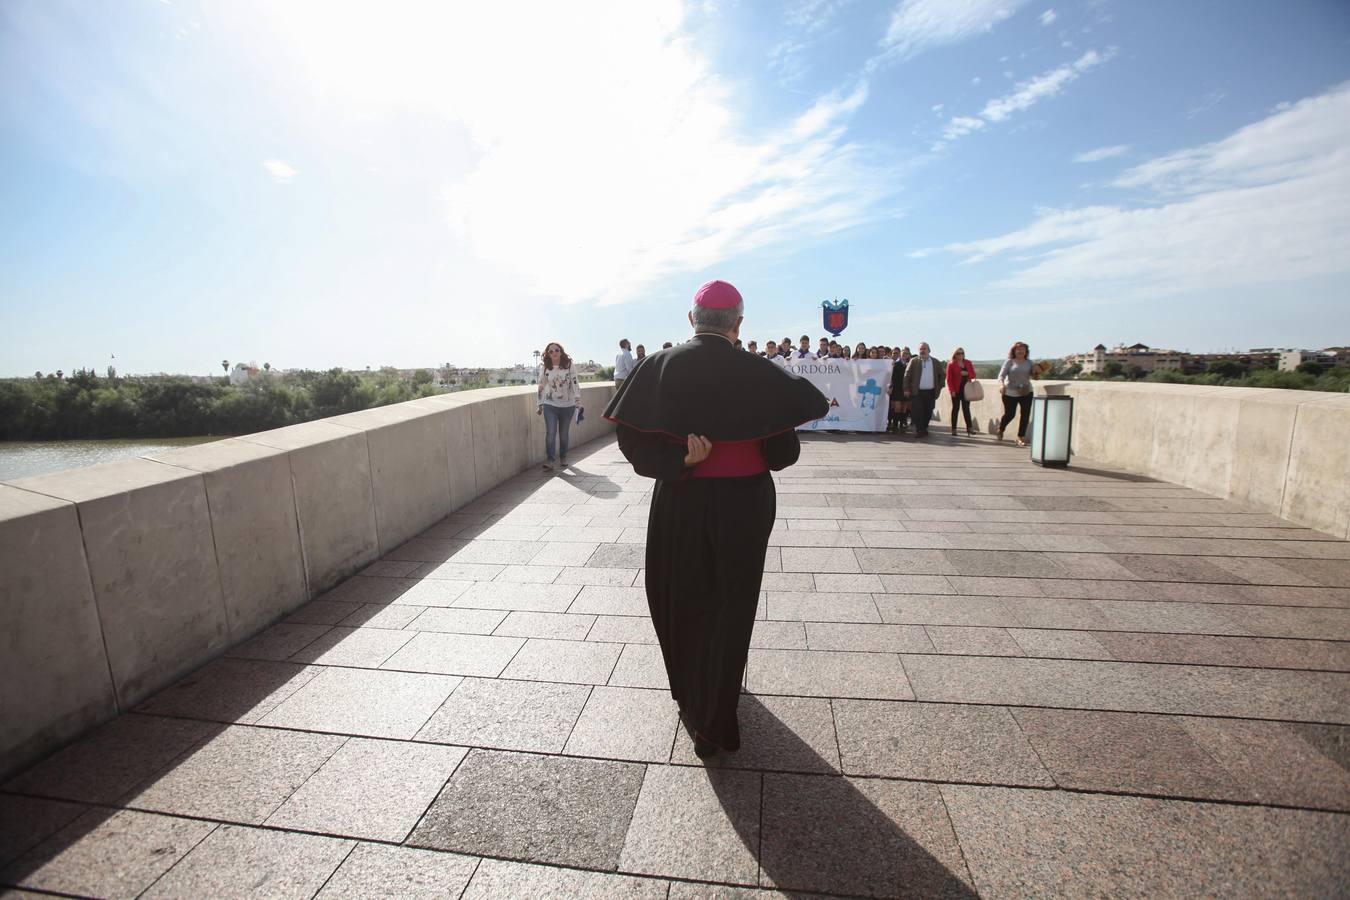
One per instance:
[(84, 405)]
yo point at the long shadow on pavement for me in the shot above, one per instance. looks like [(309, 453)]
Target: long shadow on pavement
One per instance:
[(836, 835)]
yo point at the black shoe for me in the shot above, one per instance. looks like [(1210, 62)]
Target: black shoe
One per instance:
[(704, 749)]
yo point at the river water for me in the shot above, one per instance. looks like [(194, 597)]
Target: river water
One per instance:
[(20, 459)]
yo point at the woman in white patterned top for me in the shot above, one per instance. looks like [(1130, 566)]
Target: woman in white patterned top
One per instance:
[(559, 397)]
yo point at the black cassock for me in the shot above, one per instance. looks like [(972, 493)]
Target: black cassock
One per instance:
[(707, 536)]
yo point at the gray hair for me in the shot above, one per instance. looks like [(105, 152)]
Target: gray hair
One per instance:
[(717, 321)]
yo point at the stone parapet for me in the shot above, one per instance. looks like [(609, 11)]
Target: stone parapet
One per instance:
[(1282, 452), (117, 579)]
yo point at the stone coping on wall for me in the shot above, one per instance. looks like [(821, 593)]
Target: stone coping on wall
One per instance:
[(117, 579)]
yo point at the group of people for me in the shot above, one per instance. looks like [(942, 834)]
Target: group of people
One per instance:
[(916, 379)]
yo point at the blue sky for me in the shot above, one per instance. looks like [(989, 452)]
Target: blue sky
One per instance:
[(315, 184)]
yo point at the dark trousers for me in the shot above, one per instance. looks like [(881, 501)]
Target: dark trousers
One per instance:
[(1011, 405), (960, 402), (924, 402)]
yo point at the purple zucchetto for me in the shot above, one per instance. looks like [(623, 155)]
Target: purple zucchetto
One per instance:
[(717, 295)]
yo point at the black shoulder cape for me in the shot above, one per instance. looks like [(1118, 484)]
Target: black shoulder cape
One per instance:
[(708, 387)]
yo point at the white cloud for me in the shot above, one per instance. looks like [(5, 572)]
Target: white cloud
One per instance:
[(1047, 84), (1024, 96), (960, 126), (281, 171), (1048, 17), (1102, 153), (1264, 204), (605, 159), (917, 25)]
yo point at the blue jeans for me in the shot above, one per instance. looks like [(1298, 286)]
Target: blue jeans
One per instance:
[(557, 421)]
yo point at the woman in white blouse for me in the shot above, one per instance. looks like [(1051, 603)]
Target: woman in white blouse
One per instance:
[(559, 397)]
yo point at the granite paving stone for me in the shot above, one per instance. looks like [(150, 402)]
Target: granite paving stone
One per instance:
[(370, 789), (792, 734), (499, 878), (848, 583), (496, 552), (27, 821), (365, 702), (618, 556), (363, 589), (625, 723), (113, 759), (973, 640), (597, 575), (776, 635), (231, 690), (107, 854), (583, 662), (248, 862), (459, 570), (322, 612), (360, 647), (1125, 753), (545, 625), (916, 584), (787, 581), (241, 774), (640, 665), (794, 607), (458, 621), (902, 562), (378, 870), (1272, 762), (455, 654), (549, 809), (608, 600), (527, 597), (1020, 842), (1138, 687), (529, 574), (401, 568), (920, 609), (1227, 651), (623, 630), (828, 673), (565, 554), (1061, 643), (433, 592), (883, 638), (820, 560), (869, 837), (373, 615), (696, 823), (936, 742), (281, 640), (994, 586), (508, 715)]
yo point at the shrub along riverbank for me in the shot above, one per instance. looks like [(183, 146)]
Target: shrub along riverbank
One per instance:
[(85, 406)]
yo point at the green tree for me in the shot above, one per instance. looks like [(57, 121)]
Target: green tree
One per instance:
[(1114, 369), (422, 376), (1225, 368), (1309, 367)]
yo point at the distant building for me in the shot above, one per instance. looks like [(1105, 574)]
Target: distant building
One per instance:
[(242, 373), (1327, 358), (1153, 359), (1142, 356)]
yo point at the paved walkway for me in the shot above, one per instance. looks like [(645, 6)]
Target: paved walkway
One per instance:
[(971, 675)]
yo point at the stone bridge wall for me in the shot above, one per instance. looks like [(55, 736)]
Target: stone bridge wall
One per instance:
[(117, 579), (1283, 452)]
